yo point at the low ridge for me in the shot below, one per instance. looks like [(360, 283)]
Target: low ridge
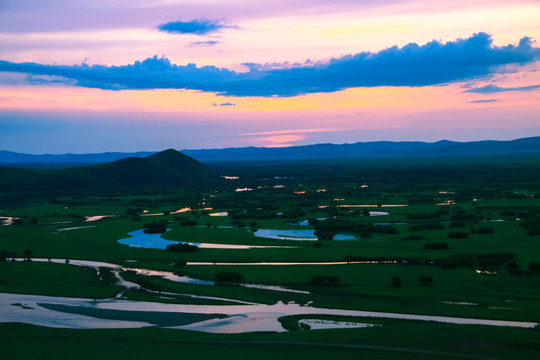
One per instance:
[(166, 168)]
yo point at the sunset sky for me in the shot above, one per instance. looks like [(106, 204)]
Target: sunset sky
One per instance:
[(128, 75)]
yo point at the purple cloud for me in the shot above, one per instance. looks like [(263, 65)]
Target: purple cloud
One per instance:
[(196, 26), (204, 43), (483, 101), (490, 89), (434, 63)]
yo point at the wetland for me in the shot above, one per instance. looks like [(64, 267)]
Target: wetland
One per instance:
[(285, 261)]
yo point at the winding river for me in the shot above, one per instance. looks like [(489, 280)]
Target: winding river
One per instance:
[(79, 313)]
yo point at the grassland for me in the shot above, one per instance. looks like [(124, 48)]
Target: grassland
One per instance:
[(463, 197)]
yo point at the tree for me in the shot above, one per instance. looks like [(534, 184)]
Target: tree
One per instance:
[(26, 254), (324, 235), (179, 263), (396, 281), (155, 227), (425, 280), (3, 255), (534, 267), (485, 230), (324, 280), (181, 247), (458, 235), (435, 246), (228, 276)]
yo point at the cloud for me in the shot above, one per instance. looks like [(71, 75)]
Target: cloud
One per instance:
[(224, 104), (196, 26), (293, 131), (279, 140), (434, 63), (490, 89), (483, 101), (204, 43)]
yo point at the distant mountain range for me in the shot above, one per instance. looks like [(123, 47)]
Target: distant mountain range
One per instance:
[(165, 168), (369, 150), (307, 152)]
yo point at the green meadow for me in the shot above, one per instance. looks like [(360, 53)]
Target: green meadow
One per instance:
[(459, 239)]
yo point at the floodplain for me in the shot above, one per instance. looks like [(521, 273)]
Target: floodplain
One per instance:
[(383, 255)]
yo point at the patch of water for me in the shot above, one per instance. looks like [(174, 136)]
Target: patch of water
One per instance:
[(163, 274), (6, 220), (76, 228), (378, 213), (460, 303), (96, 217), (222, 213), (391, 223), (300, 235), (241, 318), (140, 239), (317, 324)]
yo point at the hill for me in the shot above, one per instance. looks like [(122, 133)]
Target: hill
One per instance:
[(376, 149), (360, 150), (165, 168)]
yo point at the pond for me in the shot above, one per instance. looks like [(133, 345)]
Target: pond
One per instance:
[(140, 239), (76, 228), (6, 220), (222, 213)]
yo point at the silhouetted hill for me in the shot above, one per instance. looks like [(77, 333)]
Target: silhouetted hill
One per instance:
[(169, 167), (8, 158), (375, 149)]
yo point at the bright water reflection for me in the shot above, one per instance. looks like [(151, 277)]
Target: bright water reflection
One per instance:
[(141, 239), (65, 312), (302, 235)]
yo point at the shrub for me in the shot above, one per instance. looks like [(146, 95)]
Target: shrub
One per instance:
[(324, 280), (324, 235), (179, 263), (534, 267), (188, 222), (155, 227), (228, 276), (181, 247), (458, 235), (414, 237), (396, 281), (425, 280), (484, 230), (435, 246)]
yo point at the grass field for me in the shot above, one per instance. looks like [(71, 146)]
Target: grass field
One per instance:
[(497, 218)]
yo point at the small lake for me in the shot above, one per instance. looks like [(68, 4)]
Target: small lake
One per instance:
[(141, 239)]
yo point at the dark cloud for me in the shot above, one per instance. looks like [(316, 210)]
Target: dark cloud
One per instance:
[(483, 101), (204, 43), (196, 26), (224, 104), (434, 63), (490, 89)]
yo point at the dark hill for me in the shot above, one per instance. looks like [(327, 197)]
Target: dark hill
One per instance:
[(167, 168)]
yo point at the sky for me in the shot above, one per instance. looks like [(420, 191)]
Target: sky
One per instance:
[(87, 76)]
